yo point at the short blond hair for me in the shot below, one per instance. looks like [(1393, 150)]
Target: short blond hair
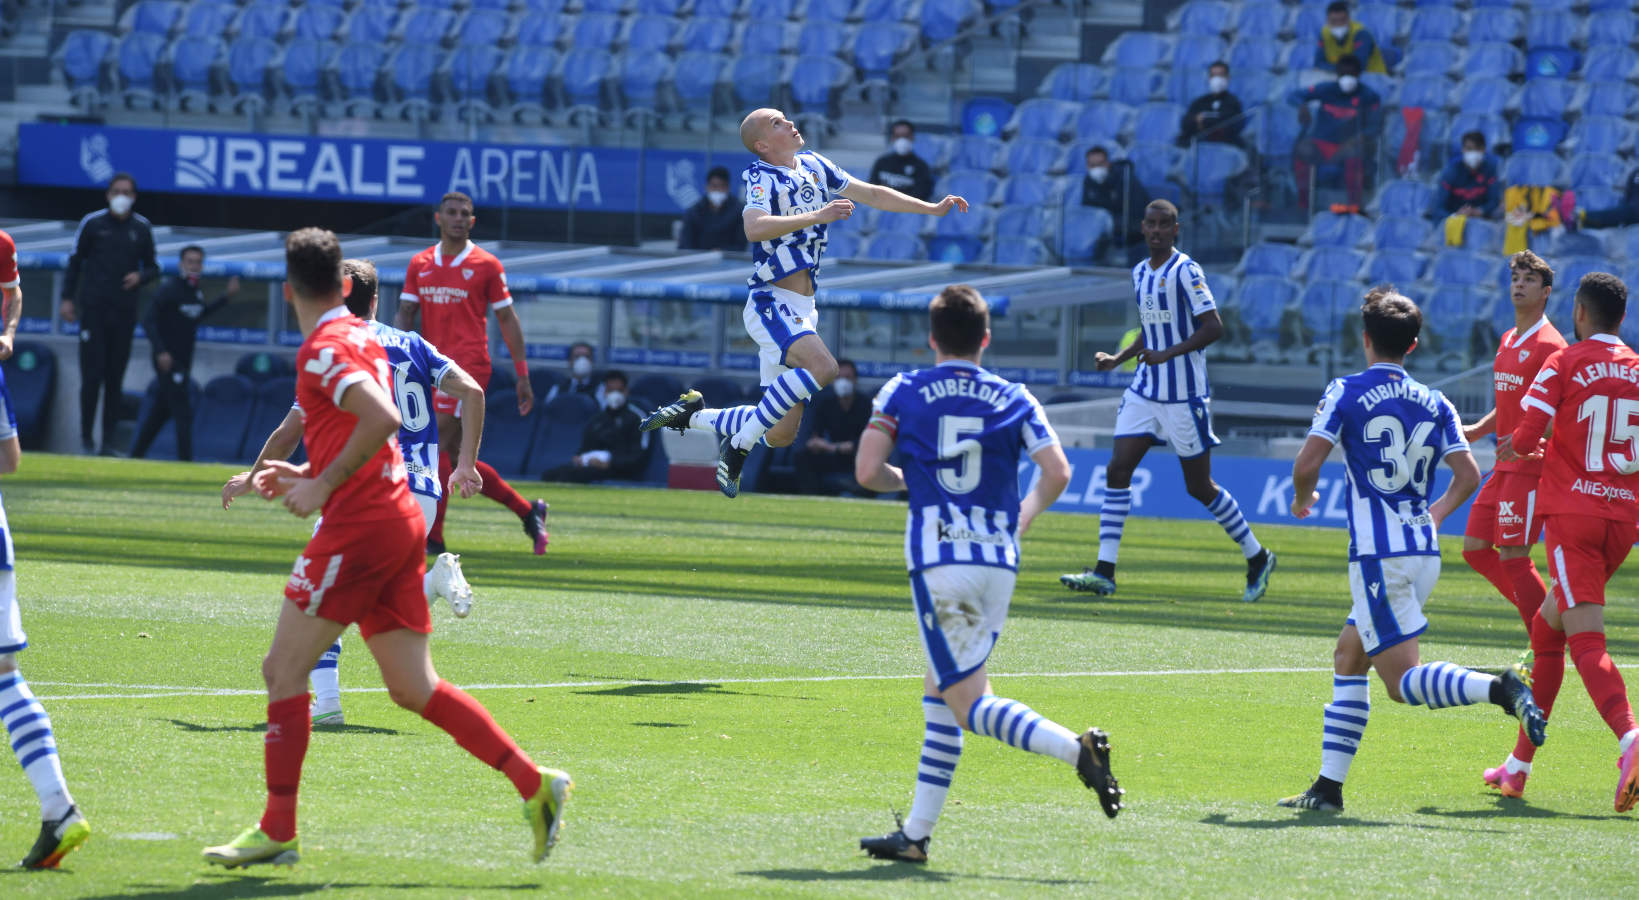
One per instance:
[(752, 129)]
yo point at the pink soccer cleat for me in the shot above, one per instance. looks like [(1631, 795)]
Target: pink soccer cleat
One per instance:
[(1508, 784), (1627, 784)]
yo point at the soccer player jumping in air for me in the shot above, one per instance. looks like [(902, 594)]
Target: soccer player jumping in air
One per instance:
[(363, 565), (962, 431), (1394, 432), (1168, 402), (792, 195)]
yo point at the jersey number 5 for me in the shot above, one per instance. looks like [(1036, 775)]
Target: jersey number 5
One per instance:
[(1611, 420), (961, 455), (1405, 461)]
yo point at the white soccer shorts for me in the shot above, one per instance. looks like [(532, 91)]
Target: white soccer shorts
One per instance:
[(1388, 598), (1186, 425), (775, 318), (960, 610), (12, 638)]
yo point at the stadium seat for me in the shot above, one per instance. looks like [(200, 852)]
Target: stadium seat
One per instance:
[(1402, 199), (357, 68), (755, 77), (662, 388), (410, 72), (977, 152), (1269, 258), (641, 78), (1201, 17), (722, 9), (1154, 164), (372, 25), (1564, 244), (1329, 229), (828, 11), (1033, 157), (483, 28), (1021, 220), (209, 18), (1569, 272), (878, 47), (248, 65), (1427, 91), (316, 22), (942, 20), (1600, 134), (1609, 98), (888, 11), (1276, 131), (1595, 169), (1081, 231), (1551, 62), (1616, 27), (585, 69), (955, 250), (468, 71), (1396, 266), (31, 380), (1075, 82), (843, 246), (933, 148), (986, 116), (1043, 119), (1429, 58), (1336, 263), (1254, 53), (223, 418), (1260, 20), (1261, 301), (822, 38), (1553, 29), (1546, 98), (1136, 87), (606, 7), (1486, 96), (508, 436), (1105, 120), (891, 247), (1504, 25), (1387, 22), (1494, 127), (902, 223), (1139, 49), (977, 223), (1206, 170), (766, 36), (556, 432), (152, 17), (138, 57), (539, 31), (1400, 232), (976, 187), (706, 35), (1493, 60), (695, 78), (81, 59), (823, 79), (543, 380), (1036, 190), (1326, 309), (1610, 63), (1017, 251), (193, 61), (1453, 311), (1531, 167), (1464, 267), (1437, 23), (302, 72), (1157, 123)]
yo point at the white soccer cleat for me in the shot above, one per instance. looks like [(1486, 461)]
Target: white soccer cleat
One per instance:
[(327, 715), (449, 583)]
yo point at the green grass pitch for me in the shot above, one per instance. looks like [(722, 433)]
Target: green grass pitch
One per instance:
[(734, 686)]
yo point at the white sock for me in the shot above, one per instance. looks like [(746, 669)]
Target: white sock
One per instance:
[(1515, 766), (1627, 740), (326, 676), (1344, 724), (1442, 684), (426, 588), (1019, 726), (29, 729), (780, 396), (941, 748)]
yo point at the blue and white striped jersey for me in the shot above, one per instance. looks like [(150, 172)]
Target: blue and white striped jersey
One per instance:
[(962, 431), (1169, 299), (1394, 431), (814, 182), (417, 368)]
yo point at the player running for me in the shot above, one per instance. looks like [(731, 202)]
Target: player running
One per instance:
[(1394, 431), (418, 369), (1502, 522), (1590, 473), (1168, 402), (451, 286), (792, 196), (63, 828), (363, 565), (962, 431)]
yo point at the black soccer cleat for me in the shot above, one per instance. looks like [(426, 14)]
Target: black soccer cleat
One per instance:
[(897, 847), (535, 525), (1314, 800), (58, 839), (730, 462), (1094, 769), (1518, 701), (675, 415), (1258, 570)]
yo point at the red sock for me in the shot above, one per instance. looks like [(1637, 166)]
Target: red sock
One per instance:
[(288, 728), (466, 720), (1604, 683), (1489, 564), (445, 467), (1547, 674), (1529, 590), (496, 488)]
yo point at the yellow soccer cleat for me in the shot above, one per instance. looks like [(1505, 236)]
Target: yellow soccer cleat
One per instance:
[(57, 840), (544, 811), (254, 847)]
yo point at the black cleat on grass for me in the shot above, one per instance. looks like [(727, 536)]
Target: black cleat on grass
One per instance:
[(1258, 570), (730, 462), (1315, 799), (676, 414), (57, 839), (1519, 702), (1094, 769), (896, 847)]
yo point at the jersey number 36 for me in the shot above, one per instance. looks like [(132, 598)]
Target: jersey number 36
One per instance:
[(1406, 461)]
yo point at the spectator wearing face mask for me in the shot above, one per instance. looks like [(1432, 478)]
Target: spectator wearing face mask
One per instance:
[(1113, 186), (826, 463), (900, 168), (1349, 117), (714, 223), (1469, 186), (1216, 114), (1342, 36), (611, 445), (582, 379)]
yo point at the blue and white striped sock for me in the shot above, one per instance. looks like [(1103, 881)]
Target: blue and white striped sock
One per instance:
[(725, 422), (1344, 725), (1442, 684), (1017, 725), (29, 728), (1112, 517), (326, 676), (1228, 513), (779, 397), (941, 747)]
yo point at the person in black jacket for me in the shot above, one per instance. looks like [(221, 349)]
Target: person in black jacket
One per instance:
[(172, 325), (611, 446), (900, 168), (113, 258), (714, 223), (1216, 114), (826, 462), (1115, 188)]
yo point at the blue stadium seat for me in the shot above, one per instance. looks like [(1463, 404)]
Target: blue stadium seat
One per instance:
[(139, 55), (1136, 87), (1606, 98), (152, 17), (81, 59), (956, 250), (1037, 190), (193, 60), (316, 22), (1015, 251), (1202, 17), (302, 72), (843, 245), (1105, 120), (1486, 96), (975, 187), (263, 366), (1157, 123), (1276, 131), (525, 72), (828, 10), (933, 148), (1081, 232), (976, 222), (248, 64), (274, 397), (1153, 163), (209, 18), (1465, 267), (1493, 60), (1269, 258), (695, 79), (822, 77), (539, 31), (483, 28), (372, 24), (1538, 134), (721, 9), (410, 72), (1398, 266), (1403, 199), (1326, 308), (1551, 62), (942, 20), (876, 49), (1043, 119), (902, 223), (1033, 156), (1139, 49), (1596, 169), (1307, 22), (357, 69), (1260, 20), (888, 10), (974, 151), (1610, 63), (1437, 23), (755, 77), (1600, 134), (1506, 25), (1546, 98), (1206, 171), (891, 246), (1553, 29), (1254, 53), (31, 380), (585, 69), (766, 36), (707, 35), (606, 7), (986, 115), (1387, 22), (507, 435), (1428, 91), (1329, 229), (1022, 220), (641, 77), (1336, 263), (223, 418), (720, 391), (468, 72), (1427, 58), (822, 38), (1614, 27), (556, 433), (1261, 301), (1568, 273), (1075, 82), (663, 388), (1586, 243), (1531, 167), (594, 32), (1495, 129), (1451, 311)]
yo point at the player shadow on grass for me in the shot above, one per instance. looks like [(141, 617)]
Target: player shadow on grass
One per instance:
[(1514, 807), (894, 871), (261, 727), (233, 885), (1327, 820)]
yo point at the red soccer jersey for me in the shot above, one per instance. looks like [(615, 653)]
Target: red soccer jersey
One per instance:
[(1518, 360), (1590, 390), (8, 262), (338, 354), (456, 296)]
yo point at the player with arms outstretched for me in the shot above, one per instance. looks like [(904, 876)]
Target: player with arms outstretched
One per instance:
[(63, 828), (1168, 402), (364, 565), (1503, 521), (1589, 502), (792, 196), (1394, 432), (963, 431), (451, 287), (418, 370)]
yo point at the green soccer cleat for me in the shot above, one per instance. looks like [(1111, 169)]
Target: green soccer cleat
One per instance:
[(1091, 581), (544, 811), (675, 415), (730, 462), (58, 839), (253, 848), (1258, 570)]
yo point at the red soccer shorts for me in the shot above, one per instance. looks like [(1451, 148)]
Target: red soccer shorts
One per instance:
[(1504, 512), (449, 406), (1583, 553), (367, 573)]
